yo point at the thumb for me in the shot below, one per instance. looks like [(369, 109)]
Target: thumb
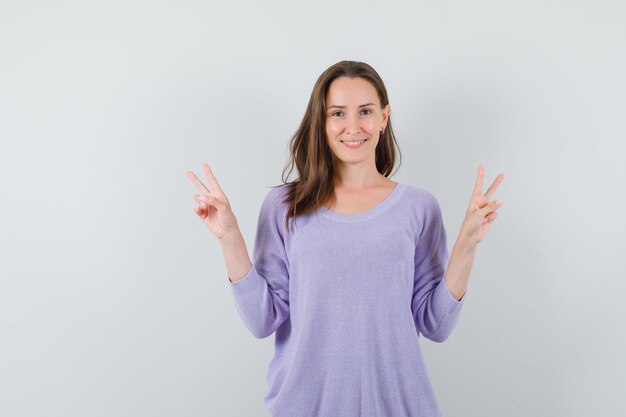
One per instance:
[(491, 207), (214, 201)]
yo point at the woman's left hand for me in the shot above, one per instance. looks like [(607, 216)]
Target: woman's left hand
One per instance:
[(481, 212)]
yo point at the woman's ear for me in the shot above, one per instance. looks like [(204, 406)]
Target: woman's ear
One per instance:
[(386, 112)]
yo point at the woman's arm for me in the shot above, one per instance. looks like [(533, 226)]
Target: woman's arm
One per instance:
[(481, 212), (459, 267), (236, 256)]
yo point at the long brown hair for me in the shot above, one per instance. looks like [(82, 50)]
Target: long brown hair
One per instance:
[(309, 150)]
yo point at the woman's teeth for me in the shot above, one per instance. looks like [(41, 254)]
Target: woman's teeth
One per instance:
[(353, 144)]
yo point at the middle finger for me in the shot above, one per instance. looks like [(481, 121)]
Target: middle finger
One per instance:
[(198, 183), (494, 186)]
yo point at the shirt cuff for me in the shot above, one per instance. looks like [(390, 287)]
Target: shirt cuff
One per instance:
[(251, 284), (444, 297)]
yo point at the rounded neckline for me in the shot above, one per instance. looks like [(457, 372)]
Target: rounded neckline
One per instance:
[(369, 213)]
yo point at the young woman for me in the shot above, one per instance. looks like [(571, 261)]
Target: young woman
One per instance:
[(350, 267)]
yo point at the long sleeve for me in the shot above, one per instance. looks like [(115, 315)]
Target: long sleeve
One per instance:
[(434, 308), (262, 295)]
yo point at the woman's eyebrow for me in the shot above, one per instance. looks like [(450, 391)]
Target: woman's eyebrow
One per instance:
[(343, 107)]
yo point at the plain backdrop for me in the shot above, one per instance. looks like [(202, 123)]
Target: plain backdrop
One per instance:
[(114, 297)]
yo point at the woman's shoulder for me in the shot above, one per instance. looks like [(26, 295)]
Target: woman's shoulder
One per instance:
[(274, 202), (419, 193), (422, 201), (277, 194)]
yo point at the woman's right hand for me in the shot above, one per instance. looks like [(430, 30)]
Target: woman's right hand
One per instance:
[(213, 207)]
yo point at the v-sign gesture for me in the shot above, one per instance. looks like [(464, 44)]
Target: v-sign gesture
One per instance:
[(481, 212), (213, 207)]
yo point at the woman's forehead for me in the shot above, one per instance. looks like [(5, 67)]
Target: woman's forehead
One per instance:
[(350, 92)]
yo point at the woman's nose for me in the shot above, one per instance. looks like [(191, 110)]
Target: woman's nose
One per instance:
[(352, 125)]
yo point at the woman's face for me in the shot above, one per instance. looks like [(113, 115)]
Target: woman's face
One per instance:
[(353, 113)]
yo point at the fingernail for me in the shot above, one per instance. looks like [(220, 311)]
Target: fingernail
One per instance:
[(498, 202)]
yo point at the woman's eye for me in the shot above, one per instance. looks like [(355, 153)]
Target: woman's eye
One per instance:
[(338, 113)]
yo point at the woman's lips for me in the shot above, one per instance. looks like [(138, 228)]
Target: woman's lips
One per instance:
[(354, 145)]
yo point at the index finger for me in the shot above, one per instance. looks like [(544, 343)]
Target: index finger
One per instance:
[(211, 177), (478, 188)]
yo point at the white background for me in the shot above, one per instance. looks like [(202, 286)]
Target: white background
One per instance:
[(114, 298)]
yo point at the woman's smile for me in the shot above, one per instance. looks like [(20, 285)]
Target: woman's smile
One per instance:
[(354, 144)]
